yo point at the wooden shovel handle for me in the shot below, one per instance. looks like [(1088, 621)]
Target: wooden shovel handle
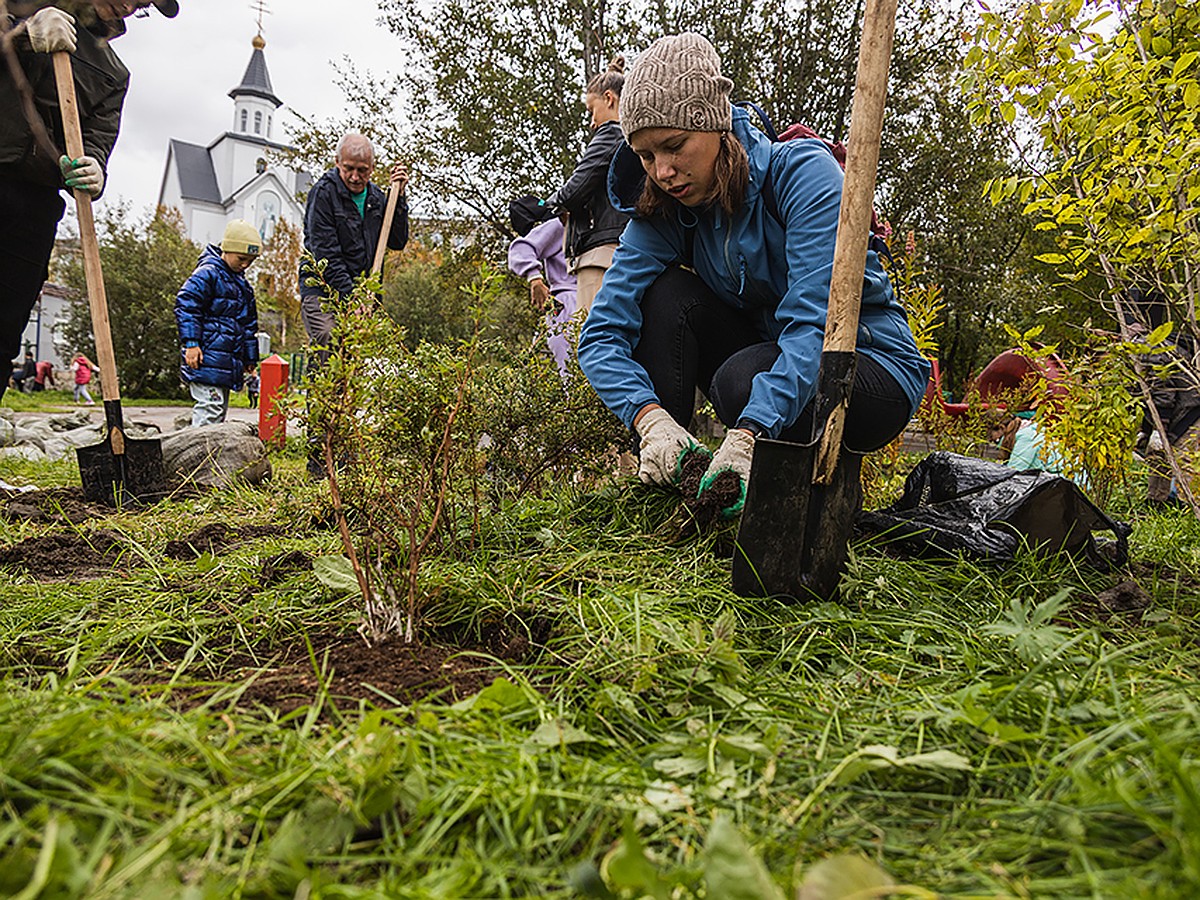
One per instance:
[(854, 216), (97, 301), (388, 215)]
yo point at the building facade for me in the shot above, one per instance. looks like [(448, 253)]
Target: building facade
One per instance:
[(237, 175)]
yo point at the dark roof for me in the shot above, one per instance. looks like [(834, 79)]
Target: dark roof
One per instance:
[(257, 80), (197, 178)]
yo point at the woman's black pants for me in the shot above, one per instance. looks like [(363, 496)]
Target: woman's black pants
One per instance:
[(691, 339)]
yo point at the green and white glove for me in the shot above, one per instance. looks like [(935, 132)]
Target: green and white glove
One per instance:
[(51, 30), (83, 174), (663, 443), (734, 455)]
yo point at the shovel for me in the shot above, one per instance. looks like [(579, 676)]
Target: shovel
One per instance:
[(802, 499), (389, 213), (120, 469)]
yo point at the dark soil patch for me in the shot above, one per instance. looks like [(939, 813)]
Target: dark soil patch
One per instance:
[(448, 665), (217, 538), (57, 506), (63, 553), (1126, 599), (722, 493), (276, 568)]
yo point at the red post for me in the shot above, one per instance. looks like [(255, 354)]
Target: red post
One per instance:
[(272, 424)]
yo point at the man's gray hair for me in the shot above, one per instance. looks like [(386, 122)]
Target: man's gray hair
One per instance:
[(355, 145)]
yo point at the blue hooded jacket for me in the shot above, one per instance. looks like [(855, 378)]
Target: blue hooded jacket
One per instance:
[(779, 276), (215, 311)]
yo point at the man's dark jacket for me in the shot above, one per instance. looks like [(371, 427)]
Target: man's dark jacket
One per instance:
[(592, 220), (101, 81), (334, 231)]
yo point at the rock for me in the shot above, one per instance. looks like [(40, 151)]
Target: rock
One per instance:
[(215, 456), (25, 451), (68, 421)]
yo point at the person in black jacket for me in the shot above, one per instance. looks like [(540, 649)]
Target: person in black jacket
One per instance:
[(33, 167), (593, 226), (342, 222)]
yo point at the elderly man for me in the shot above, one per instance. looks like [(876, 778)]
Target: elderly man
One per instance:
[(342, 222), (33, 164)]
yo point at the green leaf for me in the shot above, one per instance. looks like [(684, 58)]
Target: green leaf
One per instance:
[(731, 870), (559, 733), (628, 866), (1160, 334), (843, 877), (1053, 259), (335, 572), (501, 694)]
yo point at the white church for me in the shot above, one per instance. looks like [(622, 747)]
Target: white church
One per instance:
[(234, 177)]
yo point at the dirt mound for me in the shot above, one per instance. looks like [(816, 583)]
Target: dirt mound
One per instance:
[(276, 568), (57, 506), (217, 538), (64, 553)]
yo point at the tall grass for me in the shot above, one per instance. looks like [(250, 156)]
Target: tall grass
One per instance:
[(1031, 746)]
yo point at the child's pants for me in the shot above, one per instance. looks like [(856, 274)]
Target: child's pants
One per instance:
[(81, 393), (212, 403)]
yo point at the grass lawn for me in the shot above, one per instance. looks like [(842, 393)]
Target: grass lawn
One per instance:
[(973, 731)]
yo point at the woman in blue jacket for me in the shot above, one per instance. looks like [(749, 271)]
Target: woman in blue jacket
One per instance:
[(755, 222), (218, 322)]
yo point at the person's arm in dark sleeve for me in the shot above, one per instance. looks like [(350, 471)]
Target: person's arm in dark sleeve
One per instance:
[(191, 304), (321, 239), (590, 173), (102, 122), (398, 236), (250, 330)]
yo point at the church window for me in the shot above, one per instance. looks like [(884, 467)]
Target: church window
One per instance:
[(268, 124), (260, 166), (258, 123), (245, 117)]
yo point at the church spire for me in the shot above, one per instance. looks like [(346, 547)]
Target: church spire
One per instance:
[(257, 80)]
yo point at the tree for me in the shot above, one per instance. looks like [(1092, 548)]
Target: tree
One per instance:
[(277, 277), (144, 262)]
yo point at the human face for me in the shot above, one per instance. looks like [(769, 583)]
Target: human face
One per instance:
[(239, 262), (682, 163), (602, 107), (355, 171)]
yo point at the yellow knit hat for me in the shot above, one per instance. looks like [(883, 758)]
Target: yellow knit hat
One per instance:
[(241, 237)]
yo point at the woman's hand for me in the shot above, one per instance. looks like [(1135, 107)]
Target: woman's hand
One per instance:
[(664, 441)]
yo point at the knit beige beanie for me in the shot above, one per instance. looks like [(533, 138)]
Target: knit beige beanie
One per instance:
[(677, 83)]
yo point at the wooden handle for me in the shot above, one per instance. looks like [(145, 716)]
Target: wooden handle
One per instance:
[(388, 215), (97, 301), (854, 216)]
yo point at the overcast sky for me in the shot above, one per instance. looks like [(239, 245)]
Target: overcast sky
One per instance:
[(182, 70)]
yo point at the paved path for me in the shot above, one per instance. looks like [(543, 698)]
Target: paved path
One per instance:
[(162, 416)]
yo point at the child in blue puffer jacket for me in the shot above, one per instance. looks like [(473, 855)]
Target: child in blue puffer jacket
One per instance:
[(218, 319)]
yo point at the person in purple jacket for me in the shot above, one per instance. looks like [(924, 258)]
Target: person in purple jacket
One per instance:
[(537, 256), (754, 223)]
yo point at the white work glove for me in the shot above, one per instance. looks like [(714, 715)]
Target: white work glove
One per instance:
[(734, 455), (84, 174), (664, 441), (51, 30), (1155, 443)]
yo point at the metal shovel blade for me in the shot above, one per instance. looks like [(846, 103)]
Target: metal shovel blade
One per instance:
[(114, 479), (793, 537)]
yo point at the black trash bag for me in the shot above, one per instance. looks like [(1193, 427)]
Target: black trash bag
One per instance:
[(955, 504)]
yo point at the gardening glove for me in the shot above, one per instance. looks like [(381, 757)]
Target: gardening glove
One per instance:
[(51, 30), (1155, 444), (664, 442), (733, 456), (82, 174)]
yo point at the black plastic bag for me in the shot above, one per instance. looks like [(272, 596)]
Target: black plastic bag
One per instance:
[(956, 504)]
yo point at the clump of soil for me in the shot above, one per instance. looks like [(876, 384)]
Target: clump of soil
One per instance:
[(216, 538), (1125, 599), (276, 568), (693, 466), (722, 493), (64, 553), (57, 506)]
